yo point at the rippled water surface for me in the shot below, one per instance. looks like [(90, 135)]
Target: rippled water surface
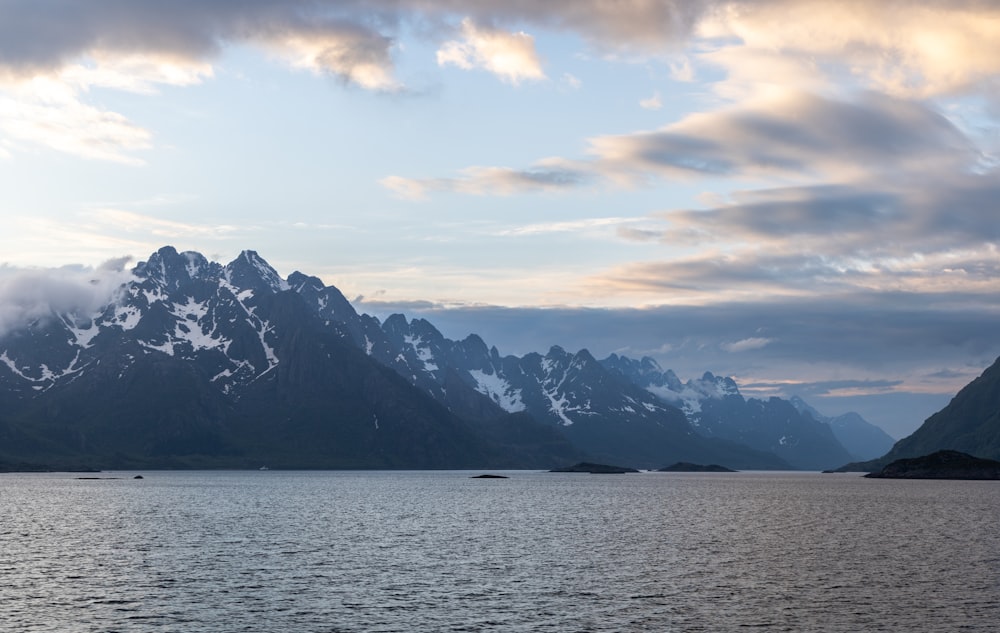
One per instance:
[(438, 551)]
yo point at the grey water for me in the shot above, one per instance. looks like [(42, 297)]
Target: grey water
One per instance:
[(336, 552)]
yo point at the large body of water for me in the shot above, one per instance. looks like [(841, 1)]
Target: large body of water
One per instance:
[(332, 552)]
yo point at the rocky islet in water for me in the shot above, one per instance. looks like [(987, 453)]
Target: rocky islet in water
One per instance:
[(940, 465)]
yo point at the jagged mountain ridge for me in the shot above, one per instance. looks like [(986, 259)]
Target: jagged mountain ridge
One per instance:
[(251, 347), (604, 415), (716, 408), (198, 364)]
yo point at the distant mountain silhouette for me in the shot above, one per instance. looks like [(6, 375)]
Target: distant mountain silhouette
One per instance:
[(716, 408), (862, 439)]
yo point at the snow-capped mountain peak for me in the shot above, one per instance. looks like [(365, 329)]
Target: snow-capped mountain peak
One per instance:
[(167, 269), (250, 271)]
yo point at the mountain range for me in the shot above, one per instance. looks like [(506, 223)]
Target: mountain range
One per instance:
[(197, 364)]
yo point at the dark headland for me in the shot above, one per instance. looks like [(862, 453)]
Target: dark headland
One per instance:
[(940, 465)]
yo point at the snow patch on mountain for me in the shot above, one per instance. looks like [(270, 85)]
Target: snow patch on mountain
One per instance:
[(190, 309), (152, 296), (192, 329), (689, 396), (44, 373), (272, 359), (6, 360), (225, 373), (558, 405), (548, 366), (165, 348), (200, 339), (422, 350), (82, 337), (499, 390), (127, 317)]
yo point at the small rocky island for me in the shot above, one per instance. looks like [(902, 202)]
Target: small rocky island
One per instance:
[(594, 469), (688, 467), (940, 465)]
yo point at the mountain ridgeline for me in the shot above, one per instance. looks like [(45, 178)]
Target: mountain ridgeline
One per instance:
[(194, 364), (970, 423)]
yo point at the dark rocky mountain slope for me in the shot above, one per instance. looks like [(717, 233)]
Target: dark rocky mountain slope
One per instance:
[(970, 423)]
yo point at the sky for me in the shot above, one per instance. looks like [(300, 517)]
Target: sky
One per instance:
[(798, 194)]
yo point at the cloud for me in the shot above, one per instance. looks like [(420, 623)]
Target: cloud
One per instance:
[(866, 331), (115, 264), (638, 234), (682, 70), (29, 294), (185, 31), (49, 60), (128, 41), (510, 56), (49, 113), (819, 210), (546, 176), (569, 226), (754, 342), (936, 235), (50, 109), (893, 197), (31, 37), (570, 81), (793, 134), (132, 222), (652, 103), (821, 388), (941, 212), (353, 54), (714, 276), (912, 48), (92, 234), (139, 74)]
